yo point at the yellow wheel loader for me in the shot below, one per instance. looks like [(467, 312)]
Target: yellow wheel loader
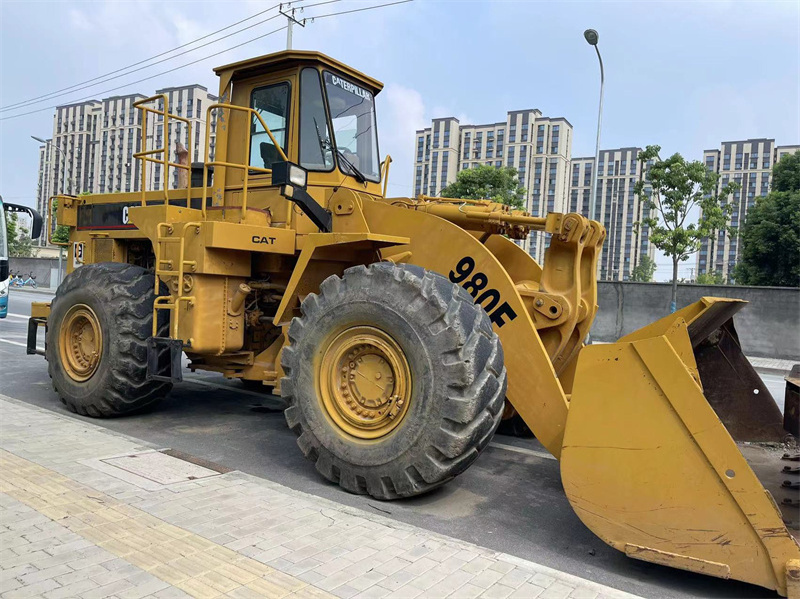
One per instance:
[(400, 330)]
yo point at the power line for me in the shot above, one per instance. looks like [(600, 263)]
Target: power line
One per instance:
[(135, 64), (188, 64), (347, 12), (211, 55), (147, 66), (113, 74)]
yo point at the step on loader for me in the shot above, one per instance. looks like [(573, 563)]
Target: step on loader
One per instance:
[(400, 330)]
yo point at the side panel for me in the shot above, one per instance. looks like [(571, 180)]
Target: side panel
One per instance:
[(442, 247)]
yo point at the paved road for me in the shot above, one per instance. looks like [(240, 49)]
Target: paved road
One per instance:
[(510, 500)]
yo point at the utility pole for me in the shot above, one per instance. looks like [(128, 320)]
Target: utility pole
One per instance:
[(291, 21)]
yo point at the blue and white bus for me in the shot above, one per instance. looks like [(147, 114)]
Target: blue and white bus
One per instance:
[(36, 230)]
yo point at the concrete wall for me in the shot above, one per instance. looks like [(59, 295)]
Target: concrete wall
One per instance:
[(45, 269), (769, 326)]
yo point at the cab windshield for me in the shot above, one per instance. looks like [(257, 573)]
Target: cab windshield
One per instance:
[(352, 110)]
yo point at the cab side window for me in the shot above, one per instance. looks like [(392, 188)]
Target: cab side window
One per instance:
[(316, 149), (272, 104)]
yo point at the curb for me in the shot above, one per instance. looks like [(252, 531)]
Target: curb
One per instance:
[(770, 370), (40, 291)]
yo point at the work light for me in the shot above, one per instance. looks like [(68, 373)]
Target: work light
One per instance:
[(288, 173)]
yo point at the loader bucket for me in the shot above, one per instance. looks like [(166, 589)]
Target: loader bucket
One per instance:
[(730, 383), (649, 466)]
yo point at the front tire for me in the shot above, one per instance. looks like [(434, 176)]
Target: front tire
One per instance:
[(395, 380), (100, 320)]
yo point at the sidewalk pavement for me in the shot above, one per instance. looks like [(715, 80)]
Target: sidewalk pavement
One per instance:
[(86, 512), (773, 365)]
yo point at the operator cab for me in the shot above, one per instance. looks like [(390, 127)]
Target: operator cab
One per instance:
[(319, 111)]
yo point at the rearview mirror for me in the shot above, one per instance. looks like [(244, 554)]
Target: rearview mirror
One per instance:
[(36, 225)]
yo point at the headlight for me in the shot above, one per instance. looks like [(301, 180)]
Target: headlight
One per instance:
[(3, 291), (297, 176), (288, 173)]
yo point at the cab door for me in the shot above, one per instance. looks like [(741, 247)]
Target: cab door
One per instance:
[(274, 101)]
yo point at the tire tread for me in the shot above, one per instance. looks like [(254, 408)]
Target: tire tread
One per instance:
[(128, 290), (472, 356)]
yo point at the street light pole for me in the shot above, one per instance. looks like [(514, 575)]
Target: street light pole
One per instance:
[(592, 37), (48, 224)]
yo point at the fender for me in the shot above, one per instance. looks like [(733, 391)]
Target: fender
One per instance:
[(449, 250)]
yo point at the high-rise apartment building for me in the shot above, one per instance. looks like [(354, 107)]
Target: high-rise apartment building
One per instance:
[(537, 147), (120, 138), (618, 207), (748, 163), (66, 161), (93, 143)]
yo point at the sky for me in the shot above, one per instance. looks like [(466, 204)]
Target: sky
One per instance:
[(683, 75)]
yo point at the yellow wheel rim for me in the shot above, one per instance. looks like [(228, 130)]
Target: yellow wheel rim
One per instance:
[(80, 342), (364, 382)]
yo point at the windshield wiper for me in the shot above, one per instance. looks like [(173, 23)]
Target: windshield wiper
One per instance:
[(353, 170), (325, 144)]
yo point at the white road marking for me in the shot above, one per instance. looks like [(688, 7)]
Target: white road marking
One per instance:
[(22, 316), (533, 452), (25, 345)]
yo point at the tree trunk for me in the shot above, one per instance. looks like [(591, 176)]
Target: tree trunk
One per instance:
[(674, 302)]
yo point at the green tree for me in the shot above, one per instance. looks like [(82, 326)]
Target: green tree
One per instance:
[(487, 183), (679, 189), (643, 272), (786, 173), (20, 244), (12, 227), (771, 232), (710, 278)]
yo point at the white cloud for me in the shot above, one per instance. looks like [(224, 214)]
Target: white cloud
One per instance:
[(79, 20), (186, 29), (401, 112)]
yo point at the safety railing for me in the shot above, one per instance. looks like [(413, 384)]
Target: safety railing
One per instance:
[(147, 156), (242, 166), (50, 219), (385, 172)]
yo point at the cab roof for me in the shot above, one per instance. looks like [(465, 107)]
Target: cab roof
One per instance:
[(277, 61)]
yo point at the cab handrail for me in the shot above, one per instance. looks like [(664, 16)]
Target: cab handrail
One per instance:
[(244, 167), (146, 155)]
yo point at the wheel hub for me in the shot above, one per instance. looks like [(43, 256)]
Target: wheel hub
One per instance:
[(80, 342), (365, 382)]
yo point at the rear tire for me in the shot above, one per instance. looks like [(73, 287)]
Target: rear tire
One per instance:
[(104, 375), (455, 390)]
